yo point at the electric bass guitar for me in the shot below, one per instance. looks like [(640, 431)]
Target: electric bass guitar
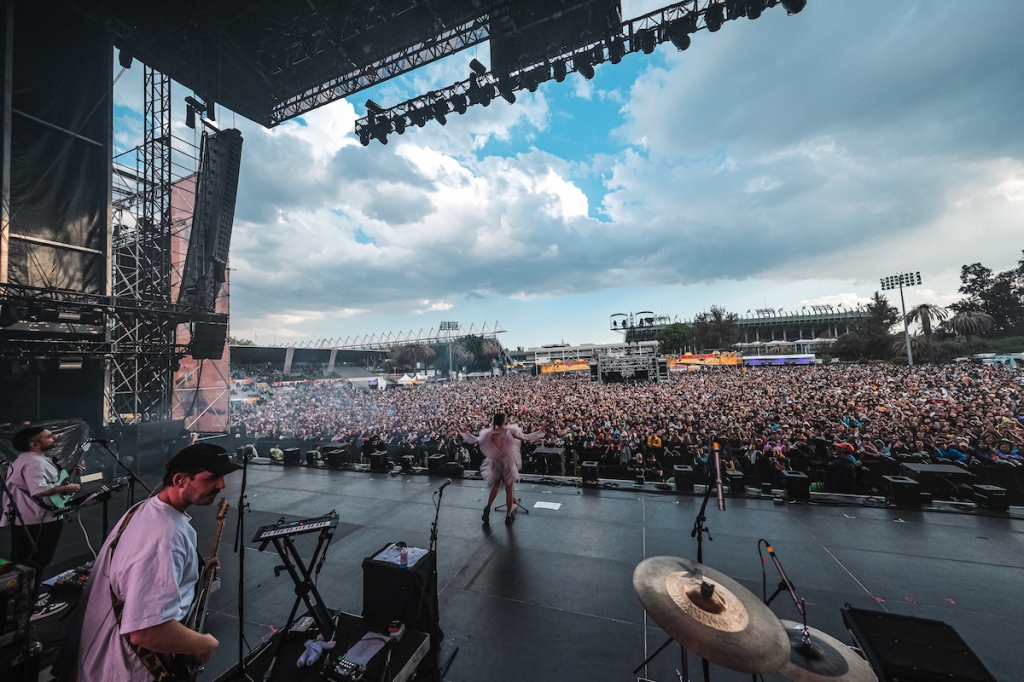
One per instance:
[(60, 501), (183, 668)]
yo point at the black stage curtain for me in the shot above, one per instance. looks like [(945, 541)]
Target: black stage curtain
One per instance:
[(60, 147)]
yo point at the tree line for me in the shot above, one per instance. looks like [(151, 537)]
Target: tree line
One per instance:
[(988, 319)]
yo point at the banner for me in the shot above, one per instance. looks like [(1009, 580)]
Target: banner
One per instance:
[(683, 362), (565, 366)]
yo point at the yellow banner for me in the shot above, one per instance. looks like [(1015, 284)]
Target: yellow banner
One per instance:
[(565, 366), (717, 359)]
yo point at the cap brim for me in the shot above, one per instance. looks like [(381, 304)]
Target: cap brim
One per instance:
[(224, 468)]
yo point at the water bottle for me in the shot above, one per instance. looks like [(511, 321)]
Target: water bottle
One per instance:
[(403, 557)]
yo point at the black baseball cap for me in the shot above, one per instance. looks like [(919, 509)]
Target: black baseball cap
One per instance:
[(203, 457)]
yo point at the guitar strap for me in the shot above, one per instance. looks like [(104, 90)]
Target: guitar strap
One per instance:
[(149, 658)]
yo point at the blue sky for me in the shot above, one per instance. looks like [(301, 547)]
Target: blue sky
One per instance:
[(780, 162)]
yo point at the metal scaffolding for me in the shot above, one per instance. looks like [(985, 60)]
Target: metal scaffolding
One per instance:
[(139, 383)]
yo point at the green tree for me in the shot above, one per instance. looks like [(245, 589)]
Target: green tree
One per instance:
[(240, 342), (715, 328), (998, 295), (875, 328), (475, 352), (968, 323), (847, 347), (673, 338), (411, 354)]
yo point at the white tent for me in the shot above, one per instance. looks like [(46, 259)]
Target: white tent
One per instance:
[(406, 380)]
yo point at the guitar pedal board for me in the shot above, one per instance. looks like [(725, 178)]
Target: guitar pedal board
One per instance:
[(16, 605)]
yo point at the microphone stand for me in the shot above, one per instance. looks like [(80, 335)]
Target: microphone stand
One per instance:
[(440, 669), (132, 477), (239, 549), (785, 584)]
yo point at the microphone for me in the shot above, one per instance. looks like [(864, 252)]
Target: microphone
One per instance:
[(444, 485), (718, 469)]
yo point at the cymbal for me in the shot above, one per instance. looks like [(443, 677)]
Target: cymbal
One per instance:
[(827, 659), (729, 627)]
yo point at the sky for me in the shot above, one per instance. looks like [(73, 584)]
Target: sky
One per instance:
[(783, 162)]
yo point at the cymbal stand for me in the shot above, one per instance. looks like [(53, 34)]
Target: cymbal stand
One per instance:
[(699, 529)]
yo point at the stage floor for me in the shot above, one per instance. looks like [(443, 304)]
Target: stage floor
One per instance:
[(550, 597)]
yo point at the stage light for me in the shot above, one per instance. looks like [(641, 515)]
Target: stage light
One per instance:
[(374, 107), (560, 71), (714, 17), (648, 41), (399, 123), (190, 117), (459, 104), (754, 8), (506, 89), (364, 137), (418, 117), (678, 34), (583, 66), (534, 77), (478, 68), (486, 94), (125, 58), (616, 50), (439, 109), (735, 9), (794, 6)]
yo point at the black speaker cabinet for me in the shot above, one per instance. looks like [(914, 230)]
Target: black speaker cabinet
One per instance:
[(291, 456), (684, 478), (991, 497), (435, 462), (798, 486), (734, 479), (378, 461), (590, 475), (902, 491)]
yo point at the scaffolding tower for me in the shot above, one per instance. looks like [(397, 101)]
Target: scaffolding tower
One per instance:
[(140, 370)]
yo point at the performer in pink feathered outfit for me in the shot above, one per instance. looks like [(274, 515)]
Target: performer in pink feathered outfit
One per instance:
[(500, 445)]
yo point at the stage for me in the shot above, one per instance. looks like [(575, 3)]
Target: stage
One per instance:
[(550, 597)]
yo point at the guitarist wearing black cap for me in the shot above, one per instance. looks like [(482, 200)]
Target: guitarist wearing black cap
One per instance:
[(145, 576)]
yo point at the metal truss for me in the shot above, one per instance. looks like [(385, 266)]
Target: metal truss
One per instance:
[(139, 384), (384, 342), (628, 365), (643, 34), (437, 47)]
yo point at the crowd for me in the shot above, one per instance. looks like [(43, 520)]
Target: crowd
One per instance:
[(965, 414)]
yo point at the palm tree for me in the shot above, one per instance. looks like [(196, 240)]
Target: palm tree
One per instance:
[(925, 313), (920, 345), (411, 354), (491, 348), (461, 352), (968, 323)]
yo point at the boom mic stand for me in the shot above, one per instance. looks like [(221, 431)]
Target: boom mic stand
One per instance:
[(699, 529), (132, 476), (784, 584), (441, 669)]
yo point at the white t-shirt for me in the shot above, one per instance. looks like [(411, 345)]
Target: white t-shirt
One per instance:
[(154, 570), (30, 475)]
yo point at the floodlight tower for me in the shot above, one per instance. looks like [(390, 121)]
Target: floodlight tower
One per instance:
[(449, 326), (900, 280)]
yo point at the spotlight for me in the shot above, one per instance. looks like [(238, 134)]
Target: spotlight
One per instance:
[(794, 6), (735, 8), (364, 137), (418, 117), (507, 89), (124, 57), (439, 109), (648, 41), (478, 68), (714, 17), (459, 104), (534, 77), (560, 71), (616, 50), (374, 107), (399, 123), (754, 8), (679, 35), (486, 94), (585, 68)]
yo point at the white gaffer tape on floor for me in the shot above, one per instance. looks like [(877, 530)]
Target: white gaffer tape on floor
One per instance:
[(547, 505)]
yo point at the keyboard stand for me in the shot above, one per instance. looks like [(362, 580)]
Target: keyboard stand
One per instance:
[(305, 587)]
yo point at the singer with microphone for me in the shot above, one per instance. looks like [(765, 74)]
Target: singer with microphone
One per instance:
[(500, 444)]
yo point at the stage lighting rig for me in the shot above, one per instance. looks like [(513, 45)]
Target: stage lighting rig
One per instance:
[(676, 23)]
